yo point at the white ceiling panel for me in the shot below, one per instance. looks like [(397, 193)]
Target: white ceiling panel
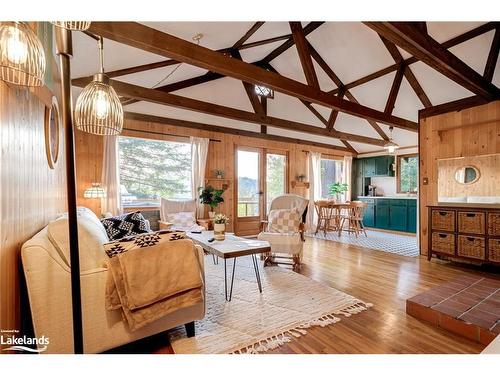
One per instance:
[(158, 77), (443, 31), (475, 52), (374, 94), (407, 102)]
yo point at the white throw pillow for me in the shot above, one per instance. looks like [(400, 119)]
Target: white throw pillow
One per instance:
[(182, 219), (284, 221)]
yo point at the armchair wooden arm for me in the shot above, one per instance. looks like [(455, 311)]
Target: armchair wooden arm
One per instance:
[(165, 225), (263, 225)]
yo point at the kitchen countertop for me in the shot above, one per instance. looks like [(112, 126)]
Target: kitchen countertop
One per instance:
[(391, 197)]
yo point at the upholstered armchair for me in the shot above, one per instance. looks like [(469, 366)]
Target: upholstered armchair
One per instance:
[(285, 245), (178, 215)]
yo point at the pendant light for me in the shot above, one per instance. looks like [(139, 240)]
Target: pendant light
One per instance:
[(72, 25), (98, 108), (390, 145), (22, 59)]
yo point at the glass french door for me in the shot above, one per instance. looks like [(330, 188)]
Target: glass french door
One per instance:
[(261, 175)]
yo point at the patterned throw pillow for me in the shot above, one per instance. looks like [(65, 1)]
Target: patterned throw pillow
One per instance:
[(114, 248), (182, 219), (284, 221), (125, 225)]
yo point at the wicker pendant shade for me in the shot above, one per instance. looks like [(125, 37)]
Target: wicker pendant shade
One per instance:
[(73, 25), (98, 109), (22, 59)]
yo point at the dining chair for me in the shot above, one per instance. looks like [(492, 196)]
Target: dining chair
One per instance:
[(354, 217)]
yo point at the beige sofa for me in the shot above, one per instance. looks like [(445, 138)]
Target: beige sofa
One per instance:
[(46, 265)]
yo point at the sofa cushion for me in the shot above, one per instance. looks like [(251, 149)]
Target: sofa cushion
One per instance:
[(91, 237), (125, 225), (284, 221), (182, 219)]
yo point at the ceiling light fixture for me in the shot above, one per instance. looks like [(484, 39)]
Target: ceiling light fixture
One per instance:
[(98, 108), (390, 145), (22, 59), (72, 25), (264, 91)]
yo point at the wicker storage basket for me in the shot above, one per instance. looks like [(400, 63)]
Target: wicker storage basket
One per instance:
[(443, 243), (471, 222), (443, 220), (494, 223), (471, 247), (494, 249)]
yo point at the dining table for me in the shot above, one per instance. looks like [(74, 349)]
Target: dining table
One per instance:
[(330, 215)]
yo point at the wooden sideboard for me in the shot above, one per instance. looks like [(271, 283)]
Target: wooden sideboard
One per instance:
[(465, 233)]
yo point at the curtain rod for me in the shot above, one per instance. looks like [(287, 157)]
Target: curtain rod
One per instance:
[(333, 156), (168, 134)]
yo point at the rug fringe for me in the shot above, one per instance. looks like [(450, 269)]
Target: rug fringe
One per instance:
[(282, 338)]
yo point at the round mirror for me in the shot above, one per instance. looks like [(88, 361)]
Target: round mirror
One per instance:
[(467, 174)]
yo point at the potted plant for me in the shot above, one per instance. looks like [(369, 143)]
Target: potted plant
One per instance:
[(220, 221), (211, 197), (337, 189)]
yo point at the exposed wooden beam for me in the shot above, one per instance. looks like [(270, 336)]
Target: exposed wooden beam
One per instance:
[(248, 34), (141, 68), (334, 113), (160, 97), (393, 94), (225, 130), (283, 47), (411, 60), (489, 69), (349, 147), (341, 89), (250, 90), (265, 41), (148, 39), (426, 49), (410, 77), (304, 54), (456, 105), (422, 26)]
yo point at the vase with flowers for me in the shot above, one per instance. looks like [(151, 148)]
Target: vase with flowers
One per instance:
[(220, 221)]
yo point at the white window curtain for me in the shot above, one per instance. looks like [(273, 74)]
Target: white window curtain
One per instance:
[(199, 152), (111, 177), (347, 176), (314, 172)]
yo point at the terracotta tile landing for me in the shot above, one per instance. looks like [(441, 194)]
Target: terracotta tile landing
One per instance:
[(468, 306)]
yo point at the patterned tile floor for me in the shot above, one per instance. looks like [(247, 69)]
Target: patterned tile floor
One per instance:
[(382, 241)]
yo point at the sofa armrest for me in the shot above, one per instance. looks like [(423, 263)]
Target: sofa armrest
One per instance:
[(263, 225)]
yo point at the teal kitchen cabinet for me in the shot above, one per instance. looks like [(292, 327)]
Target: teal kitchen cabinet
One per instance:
[(382, 209), (392, 214), (369, 215), (369, 167), (412, 216), (398, 214), (383, 166)]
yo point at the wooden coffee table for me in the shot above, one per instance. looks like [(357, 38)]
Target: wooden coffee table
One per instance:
[(232, 247)]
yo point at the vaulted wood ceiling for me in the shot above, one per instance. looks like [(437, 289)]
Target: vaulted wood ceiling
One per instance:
[(336, 83)]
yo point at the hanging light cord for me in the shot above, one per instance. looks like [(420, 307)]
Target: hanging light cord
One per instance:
[(101, 55), (197, 38)]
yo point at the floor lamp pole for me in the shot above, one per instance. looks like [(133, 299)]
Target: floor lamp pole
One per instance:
[(65, 52)]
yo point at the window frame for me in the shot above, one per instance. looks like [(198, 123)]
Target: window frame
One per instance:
[(147, 137), (398, 171)]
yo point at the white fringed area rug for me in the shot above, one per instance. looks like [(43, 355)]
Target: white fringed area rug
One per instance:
[(253, 322)]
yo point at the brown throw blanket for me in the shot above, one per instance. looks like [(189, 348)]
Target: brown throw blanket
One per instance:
[(151, 276)]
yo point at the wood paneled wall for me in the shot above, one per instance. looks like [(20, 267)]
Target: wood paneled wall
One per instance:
[(220, 156), (467, 133), (31, 193)]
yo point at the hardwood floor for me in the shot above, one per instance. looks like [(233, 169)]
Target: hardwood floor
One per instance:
[(384, 279)]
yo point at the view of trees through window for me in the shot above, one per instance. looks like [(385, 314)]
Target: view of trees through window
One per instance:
[(276, 176), (408, 173), (151, 169), (331, 172)]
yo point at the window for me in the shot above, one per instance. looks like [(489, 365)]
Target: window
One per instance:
[(151, 169), (331, 171), (407, 173)]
